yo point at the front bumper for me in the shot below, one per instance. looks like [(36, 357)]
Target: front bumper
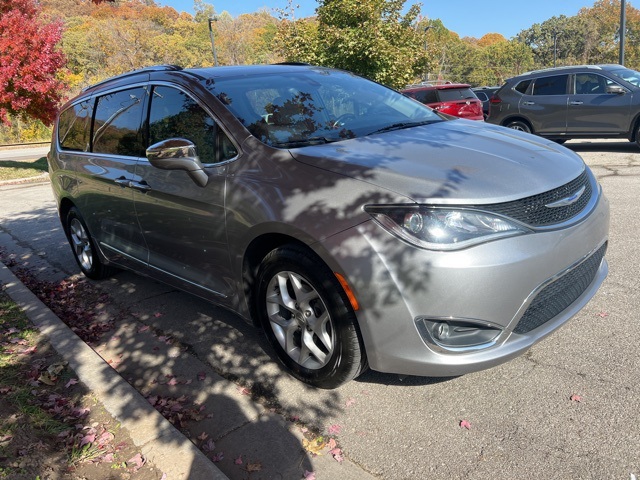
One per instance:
[(502, 284)]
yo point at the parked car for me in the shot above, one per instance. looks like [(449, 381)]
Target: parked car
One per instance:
[(358, 227), (588, 101), (484, 94), (455, 99)]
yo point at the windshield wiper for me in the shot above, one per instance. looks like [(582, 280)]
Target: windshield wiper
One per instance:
[(401, 125), (303, 143)]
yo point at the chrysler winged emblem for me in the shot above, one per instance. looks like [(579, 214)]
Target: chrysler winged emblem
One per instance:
[(570, 200)]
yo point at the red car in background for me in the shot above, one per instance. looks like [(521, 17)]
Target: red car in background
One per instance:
[(455, 99)]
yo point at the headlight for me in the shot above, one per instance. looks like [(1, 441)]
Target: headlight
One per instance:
[(436, 228)]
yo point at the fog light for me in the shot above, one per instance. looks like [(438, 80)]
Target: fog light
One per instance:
[(457, 334)]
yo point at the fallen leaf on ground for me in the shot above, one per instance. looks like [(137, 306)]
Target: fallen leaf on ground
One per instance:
[(238, 461), (465, 424), (314, 446), (332, 443), (203, 436), (72, 381), (218, 457), (254, 467), (336, 453), (309, 475), (350, 402), (202, 376), (136, 461), (575, 398), (334, 429)]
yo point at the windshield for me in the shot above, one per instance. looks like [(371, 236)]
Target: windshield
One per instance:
[(630, 76), (315, 106)]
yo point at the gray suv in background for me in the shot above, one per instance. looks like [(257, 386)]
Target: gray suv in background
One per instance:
[(590, 101), (356, 226)]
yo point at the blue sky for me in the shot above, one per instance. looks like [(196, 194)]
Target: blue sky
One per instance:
[(472, 18)]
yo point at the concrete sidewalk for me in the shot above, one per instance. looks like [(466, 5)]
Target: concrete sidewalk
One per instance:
[(249, 434), (168, 449)]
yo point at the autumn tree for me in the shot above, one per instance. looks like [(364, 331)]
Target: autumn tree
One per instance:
[(372, 38), (29, 62)]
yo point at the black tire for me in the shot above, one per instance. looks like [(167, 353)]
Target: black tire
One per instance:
[(637, 137), (519, 125), (312, 326), (83, 247)]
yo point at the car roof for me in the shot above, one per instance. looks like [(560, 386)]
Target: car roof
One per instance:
[(569, 69), (442, 86), (211, 72)]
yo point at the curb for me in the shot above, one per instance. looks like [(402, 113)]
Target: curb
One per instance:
[(160, 442)]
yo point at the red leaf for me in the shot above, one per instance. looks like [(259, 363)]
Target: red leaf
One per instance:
[(332, 443), (238, 461), (350, 402), (73, 381), (337, 454), (603, 314), (203, 436), (465, 424), (218, 457), (309, 475), (334, 429), (575, 398), (157, 314), (202, 376)]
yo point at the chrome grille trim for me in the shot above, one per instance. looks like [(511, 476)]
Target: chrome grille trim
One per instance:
[(533, 210)]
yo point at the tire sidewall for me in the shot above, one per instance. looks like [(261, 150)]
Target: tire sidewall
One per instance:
[(343, 320), (95, 271), (523, 126)]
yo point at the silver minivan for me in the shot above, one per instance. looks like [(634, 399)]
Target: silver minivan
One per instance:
[(356, 226), (589, 101)]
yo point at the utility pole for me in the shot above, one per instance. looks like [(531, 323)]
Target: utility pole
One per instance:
[(213, 45), (623, 28), (426, 65)]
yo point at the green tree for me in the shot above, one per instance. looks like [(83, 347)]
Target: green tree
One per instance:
[(371, 38)]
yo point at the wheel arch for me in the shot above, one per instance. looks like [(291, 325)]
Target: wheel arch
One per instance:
[(517, 118), (255, 252)]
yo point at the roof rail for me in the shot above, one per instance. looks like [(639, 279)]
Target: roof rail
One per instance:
[(564, 67), (153, 68)]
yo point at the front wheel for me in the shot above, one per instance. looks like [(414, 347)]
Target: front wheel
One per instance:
[(307, 319), (519, 125), (84, 250)]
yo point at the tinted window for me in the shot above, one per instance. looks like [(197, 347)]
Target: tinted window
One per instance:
[(482, 96), (116, 128), (554, 85), (455, 94), (174, 114), (523, 86), (590, 84), (425, 96), (74, 126)]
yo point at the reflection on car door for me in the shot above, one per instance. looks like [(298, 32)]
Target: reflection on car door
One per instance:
[(545, 104), (182, 222), (106, 175), (592, 109)]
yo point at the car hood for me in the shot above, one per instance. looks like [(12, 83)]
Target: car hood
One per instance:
[(457, 161)]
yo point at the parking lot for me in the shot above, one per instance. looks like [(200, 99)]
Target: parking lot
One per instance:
[(566, 409)]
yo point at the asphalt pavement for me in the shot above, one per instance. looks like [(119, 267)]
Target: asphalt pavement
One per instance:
[(566, 409)]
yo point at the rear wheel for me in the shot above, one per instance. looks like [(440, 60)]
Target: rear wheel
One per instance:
[(519, 125), (307, 319), (638, 134), (84, 250)]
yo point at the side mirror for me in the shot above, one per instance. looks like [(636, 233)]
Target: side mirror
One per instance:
[(616, 89), (178, 154)]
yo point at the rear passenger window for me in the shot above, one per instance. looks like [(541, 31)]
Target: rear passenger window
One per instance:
[(523, 86), (74, 126), (116, 128), (174, 114), (554, 85)]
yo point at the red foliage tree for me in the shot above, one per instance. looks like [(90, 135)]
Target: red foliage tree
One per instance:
[(29, 60)]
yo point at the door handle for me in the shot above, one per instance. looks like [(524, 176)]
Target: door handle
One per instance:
[(528, 103), (576, 103), (123, 182), (141, 186)]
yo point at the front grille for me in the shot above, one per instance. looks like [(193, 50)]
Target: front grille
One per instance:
[(557, 296), (532, 210)]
